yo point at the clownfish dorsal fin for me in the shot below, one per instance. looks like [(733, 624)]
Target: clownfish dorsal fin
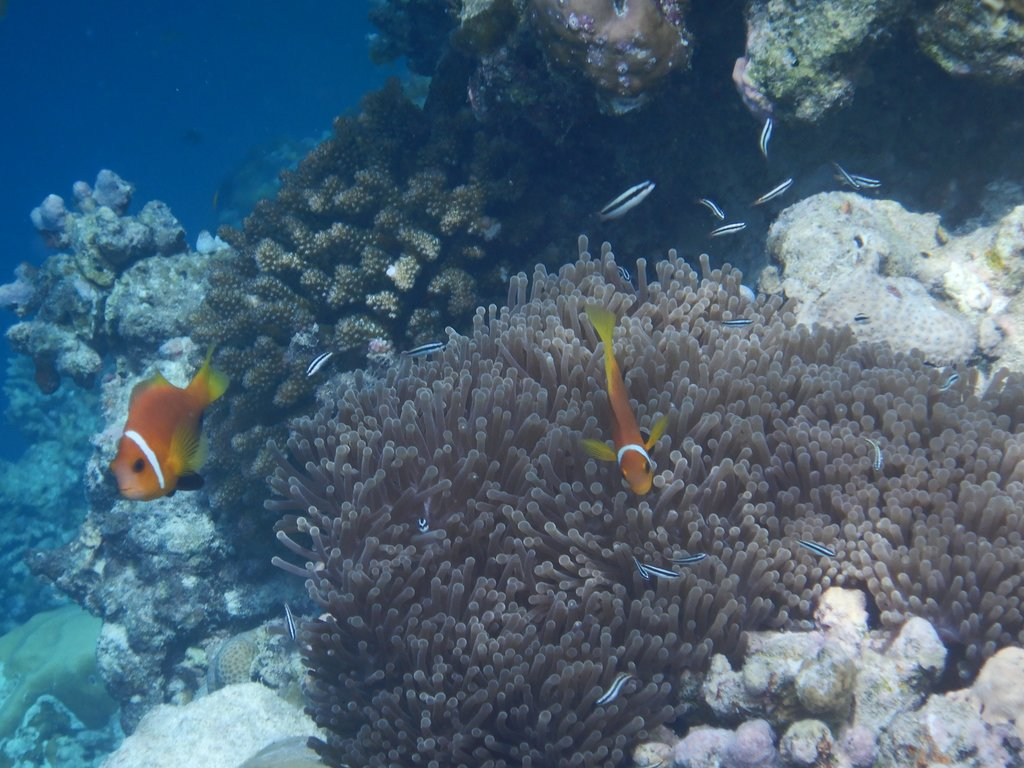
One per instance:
[(656, 432), (156, 380), (188, 450), (596, 449), (208, 382)]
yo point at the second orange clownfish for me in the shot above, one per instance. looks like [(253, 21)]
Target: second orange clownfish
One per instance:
[(631, 450), (161, 448)]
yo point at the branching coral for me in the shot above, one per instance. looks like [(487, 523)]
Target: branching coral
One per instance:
[(475, 571), (388, 210)]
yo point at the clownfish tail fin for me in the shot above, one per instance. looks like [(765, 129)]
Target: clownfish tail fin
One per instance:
[(603, 321), (208, 380)]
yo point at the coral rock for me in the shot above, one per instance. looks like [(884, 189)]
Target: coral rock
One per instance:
[(217, 731), (1000, 687), (807, 743), (624, 51), (946, 731)]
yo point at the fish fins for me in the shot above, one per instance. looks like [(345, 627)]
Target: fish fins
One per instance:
[(603, 321), (598, 450), (156, 380), (192, 482), (208, 381), (189, 448), (656, 432)]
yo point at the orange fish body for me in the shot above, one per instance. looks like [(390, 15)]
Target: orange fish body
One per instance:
[(631, 450), (161, 448)]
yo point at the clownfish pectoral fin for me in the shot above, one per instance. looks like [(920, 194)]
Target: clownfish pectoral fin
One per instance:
[(191, 482), (209, 382), (656, 432), (188, 449), (598, 450)]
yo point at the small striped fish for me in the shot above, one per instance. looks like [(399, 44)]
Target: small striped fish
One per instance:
[(717, 212), (627, 201), (877, 463), (318, 362), (728, 229), (424, 349), (289, 623), (614, 689), (737, 322), (953, 379), (818, 549), (647, 571), (855, 181), (774, 192), (688, 559), (766, 135)]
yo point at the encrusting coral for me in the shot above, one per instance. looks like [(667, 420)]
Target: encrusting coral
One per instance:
[(477, 574)]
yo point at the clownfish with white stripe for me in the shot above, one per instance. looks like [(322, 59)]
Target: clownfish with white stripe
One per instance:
[(162, 448), (631, 450)]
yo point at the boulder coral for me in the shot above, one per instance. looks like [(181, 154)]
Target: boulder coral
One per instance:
[(623, 47)]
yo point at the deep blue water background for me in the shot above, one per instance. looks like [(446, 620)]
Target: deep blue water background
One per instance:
[(172, 96)]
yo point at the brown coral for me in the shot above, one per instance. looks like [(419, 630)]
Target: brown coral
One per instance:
[(623, 48)]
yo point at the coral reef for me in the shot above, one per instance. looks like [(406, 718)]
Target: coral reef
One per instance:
[(397, 204), (52, 655), (221, 729), (623, 48), (845, 695), (801, 57), (476, 573), (155, 572), (67, 335), (982, 40), (59, 427), (895, 276)]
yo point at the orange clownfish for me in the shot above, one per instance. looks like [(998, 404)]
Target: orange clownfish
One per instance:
[(161, 448), (631, 451)]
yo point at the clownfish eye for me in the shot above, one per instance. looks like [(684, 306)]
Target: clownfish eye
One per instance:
[(138, 466)]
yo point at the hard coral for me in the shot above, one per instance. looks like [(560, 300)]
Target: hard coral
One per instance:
[(67, 337), (801, 57), (624, 47), (396, 199), (475, 571)]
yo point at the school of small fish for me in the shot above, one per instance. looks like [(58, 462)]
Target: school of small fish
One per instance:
[(625, 202)]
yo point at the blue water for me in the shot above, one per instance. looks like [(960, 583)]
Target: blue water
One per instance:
[(172, 96)]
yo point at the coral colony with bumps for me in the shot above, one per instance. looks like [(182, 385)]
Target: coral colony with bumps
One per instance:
[(626, 511)]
